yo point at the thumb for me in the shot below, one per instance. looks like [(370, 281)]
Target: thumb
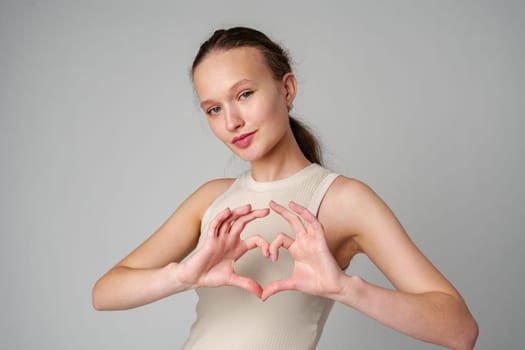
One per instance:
[(276, 287), (246, 283)]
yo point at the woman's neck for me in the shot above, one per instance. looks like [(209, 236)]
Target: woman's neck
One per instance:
[(283, 161)]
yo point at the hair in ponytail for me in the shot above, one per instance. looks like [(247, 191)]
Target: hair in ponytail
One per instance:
[(306, 140), (279, 64)]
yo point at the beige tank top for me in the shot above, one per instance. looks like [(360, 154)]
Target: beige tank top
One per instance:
[(232, 318)]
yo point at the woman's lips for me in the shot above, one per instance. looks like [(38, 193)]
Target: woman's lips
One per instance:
[(244, 140)]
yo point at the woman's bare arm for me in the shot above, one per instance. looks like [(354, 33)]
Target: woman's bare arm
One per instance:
[(423, 304), (151, 271)]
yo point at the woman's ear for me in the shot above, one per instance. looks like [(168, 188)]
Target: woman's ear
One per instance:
[(290, 88)]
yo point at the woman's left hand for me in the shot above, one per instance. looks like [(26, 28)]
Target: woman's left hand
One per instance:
[(315, 270)]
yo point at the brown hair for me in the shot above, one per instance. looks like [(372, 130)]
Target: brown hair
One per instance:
[(278, 62)]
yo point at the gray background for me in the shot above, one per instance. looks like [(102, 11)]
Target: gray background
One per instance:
[(101, 138)]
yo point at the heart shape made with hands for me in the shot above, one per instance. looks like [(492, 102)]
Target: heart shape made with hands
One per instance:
[(312, 269), (266, 266)]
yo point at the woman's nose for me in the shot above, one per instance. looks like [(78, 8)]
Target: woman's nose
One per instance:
[(233, 120)]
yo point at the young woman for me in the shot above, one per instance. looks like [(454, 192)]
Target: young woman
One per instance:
[(266, 252)]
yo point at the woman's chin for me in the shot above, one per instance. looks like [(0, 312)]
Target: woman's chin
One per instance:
[(246, 155), (246, 158)]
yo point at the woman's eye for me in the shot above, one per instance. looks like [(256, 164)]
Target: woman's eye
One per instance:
[(245, 94), (213, 110)]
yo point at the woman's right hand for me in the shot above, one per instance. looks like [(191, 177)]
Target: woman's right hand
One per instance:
[(212, 264)]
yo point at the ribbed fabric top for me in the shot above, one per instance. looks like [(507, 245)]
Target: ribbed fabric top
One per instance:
[(232, 318)]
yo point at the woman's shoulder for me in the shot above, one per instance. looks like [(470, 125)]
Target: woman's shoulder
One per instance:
[(215, 187), (348, 201), (211, 190), (347, 190), (191, 211)]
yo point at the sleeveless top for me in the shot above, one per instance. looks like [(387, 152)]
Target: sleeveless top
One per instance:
[(232, 318)]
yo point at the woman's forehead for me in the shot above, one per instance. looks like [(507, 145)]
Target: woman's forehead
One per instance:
[(241, 60), (226, 67)]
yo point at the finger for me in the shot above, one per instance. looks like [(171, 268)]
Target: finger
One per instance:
[(305, 214), (243, 210), (247, 284), (293, 220), (226, 226), (217, 222), (276, 287), (236, 214), (242, 221), (282, 240), (257, 241)]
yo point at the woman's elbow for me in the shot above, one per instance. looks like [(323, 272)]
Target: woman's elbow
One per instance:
[(466, 339), (97, 297)]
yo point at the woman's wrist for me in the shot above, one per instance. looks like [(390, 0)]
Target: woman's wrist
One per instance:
[(348, 288), (176, 278)]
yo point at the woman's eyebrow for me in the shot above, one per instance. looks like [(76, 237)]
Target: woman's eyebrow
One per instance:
[(230, 89), (239, 83)]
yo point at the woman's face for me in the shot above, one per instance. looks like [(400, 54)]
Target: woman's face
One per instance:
[(247, 108)]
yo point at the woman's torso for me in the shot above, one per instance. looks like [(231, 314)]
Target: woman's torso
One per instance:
[(231, 318)]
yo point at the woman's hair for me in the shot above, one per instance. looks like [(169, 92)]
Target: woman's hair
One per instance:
[(279, 64)]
